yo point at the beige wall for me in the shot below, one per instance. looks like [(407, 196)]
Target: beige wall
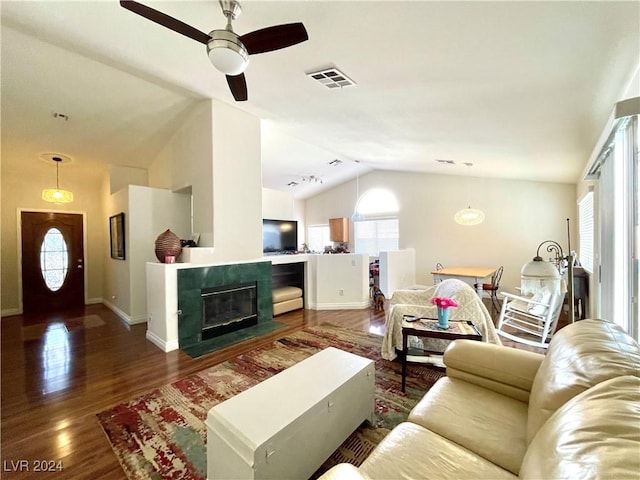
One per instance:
[(116, 287), (22, 184), (519, 216)]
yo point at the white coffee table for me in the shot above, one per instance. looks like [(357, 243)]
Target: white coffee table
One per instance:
[(288, 425)]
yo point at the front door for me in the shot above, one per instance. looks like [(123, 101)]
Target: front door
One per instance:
[(52, 261)]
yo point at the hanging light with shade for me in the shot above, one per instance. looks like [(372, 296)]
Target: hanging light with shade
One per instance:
[(56, 195), (557, 268), (357, 217), (469, 216)]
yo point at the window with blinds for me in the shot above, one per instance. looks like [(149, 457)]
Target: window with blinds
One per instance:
[(586, 231), (373, 236)]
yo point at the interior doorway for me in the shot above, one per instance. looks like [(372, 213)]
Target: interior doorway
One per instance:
[(52, 261)]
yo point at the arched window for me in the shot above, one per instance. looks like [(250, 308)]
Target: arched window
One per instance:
[(378, 229), (376, 202)]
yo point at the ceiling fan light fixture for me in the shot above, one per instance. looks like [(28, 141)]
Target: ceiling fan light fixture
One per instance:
[(227, 53)]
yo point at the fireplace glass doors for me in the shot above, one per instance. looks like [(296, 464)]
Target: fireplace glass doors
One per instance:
[(229, 308)]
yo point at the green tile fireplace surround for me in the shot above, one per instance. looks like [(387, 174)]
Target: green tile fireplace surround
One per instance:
[(191, 281)]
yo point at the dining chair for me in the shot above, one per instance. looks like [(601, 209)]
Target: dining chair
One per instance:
[(493, 287), (437, 278)]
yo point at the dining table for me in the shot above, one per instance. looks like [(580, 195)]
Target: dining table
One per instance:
[(469, 274)]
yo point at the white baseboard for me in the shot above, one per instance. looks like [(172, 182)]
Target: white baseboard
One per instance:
[(123, 315), (340, 306), (11, 311), (160, 343), (138, 319), (93, 301)]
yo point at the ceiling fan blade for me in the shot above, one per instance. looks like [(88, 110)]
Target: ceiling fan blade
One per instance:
[(274, 38), (238, 86), (166, 21)]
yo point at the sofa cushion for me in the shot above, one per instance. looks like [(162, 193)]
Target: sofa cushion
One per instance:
[(580, 356), (492, 425), (411, 451), (594, 435), (287, 306), (283, 294)]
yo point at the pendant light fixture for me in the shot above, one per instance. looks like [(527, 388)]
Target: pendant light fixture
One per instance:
[(55, 195), (357, 217), (469, 216)]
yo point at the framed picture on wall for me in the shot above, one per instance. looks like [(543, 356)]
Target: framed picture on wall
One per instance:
[(116, 231)]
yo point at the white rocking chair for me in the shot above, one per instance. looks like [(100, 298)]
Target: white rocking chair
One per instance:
[(531, 320)]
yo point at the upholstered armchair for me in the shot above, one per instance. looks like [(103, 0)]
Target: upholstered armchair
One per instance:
[(417, 302)]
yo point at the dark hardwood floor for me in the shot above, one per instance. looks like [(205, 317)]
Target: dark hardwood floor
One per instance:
[(59, 370)]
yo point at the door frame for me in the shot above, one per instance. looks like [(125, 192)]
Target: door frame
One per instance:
[(19, 246)]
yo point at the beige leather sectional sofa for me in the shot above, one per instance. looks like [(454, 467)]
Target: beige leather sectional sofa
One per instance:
[(502, 413)]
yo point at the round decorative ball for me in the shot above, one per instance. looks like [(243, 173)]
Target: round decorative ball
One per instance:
[(167, 244)]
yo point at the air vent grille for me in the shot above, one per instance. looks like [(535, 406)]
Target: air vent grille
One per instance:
[(332, 78)]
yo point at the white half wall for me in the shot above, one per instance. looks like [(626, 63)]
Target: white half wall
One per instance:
[(340, 282), (397, 270)]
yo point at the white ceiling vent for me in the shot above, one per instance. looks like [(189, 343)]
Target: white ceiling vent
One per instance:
[(332, 78)]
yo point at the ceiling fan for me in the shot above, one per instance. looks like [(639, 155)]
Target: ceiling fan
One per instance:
[(228, 51)]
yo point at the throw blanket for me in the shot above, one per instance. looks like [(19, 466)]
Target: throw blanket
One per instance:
[(418, 302)]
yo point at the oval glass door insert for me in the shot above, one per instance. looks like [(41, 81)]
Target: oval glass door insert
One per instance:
[(54, 259)]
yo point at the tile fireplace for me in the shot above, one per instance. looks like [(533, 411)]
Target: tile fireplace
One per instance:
[(229, 308), (220, 305)]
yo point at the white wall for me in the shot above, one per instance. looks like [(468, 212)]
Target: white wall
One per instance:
[(121, 177), (148, 213), (279, 205), (216, 154), (237, 184), (397, 270), (151, 212), (186, 161), (519, 216)]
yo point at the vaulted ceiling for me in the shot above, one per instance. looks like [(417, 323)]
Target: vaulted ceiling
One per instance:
[(519, 89)]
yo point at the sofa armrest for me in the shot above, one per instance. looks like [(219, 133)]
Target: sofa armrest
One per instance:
[(343, 471), (506, 370)]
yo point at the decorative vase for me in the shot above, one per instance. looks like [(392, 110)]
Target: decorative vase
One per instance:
[(443, 318), (167, 245)]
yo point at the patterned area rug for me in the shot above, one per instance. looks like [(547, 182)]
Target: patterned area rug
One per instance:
[(162, 435)]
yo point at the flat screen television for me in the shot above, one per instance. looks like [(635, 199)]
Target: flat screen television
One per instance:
[(279, 236)]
